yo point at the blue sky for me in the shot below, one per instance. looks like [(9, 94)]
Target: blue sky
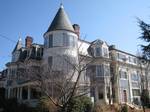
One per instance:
[(113, 21)]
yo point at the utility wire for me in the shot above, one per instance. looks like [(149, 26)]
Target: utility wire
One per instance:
[(5, 37)]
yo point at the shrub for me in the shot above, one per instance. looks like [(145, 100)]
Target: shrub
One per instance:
[(11, 105), (46, 105), (124, 108), (145, 98), (80, 104)]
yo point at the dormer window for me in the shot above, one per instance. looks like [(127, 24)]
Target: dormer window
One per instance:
[(122, 57), (105, 52), (97, 51), (132, 60)]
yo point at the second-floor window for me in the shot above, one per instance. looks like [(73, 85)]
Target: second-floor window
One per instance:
[(122, 57), (99, 71), (132, 60), (123, 74), (12, 72), (135, 77), (136, 92), (105, 52)]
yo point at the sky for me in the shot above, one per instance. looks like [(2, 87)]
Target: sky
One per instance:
[(113, 21)]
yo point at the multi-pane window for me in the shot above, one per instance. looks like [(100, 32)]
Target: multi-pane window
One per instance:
[(105, 52), (132, 59), (124, 83), (72, 41), (68, 40), (136, 92), (12, 72), (135, 77), (123, 74), (121, 56), (99, 71), (97, 51), (135, 84), (38, 53), (107, 70), (65, 39)]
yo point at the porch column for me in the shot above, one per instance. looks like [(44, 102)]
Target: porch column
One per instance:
[(96, 94), (8, 92), (20, 93), (29, 92)]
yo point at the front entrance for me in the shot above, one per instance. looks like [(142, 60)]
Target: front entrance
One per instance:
[(125, 95)]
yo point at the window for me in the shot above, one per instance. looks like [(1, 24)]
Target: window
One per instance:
[(50, 61), (135, 84), (132, 60), (50, 41), (121, 56), (35, 94), (123, 75), (135, 77), (136, 92), (97, 51), (99, 71), (124, 83), (68, 40), (65, 39), (12, 72), (108, 92), (72, 41), (136, 101), (100, 95), (105, 51), (107, 70), (38, 53), (24, 93)]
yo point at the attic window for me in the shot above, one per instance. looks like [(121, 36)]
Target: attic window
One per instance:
[(97, 51), (105, 52), (122, 57)]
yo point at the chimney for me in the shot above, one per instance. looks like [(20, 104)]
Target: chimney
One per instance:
[(77, 29), (28, 42)]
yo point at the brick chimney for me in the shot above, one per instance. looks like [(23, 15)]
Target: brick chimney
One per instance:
[(28, 42), (77, 29)]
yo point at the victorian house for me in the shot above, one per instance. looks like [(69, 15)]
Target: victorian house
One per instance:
[(114, 74)]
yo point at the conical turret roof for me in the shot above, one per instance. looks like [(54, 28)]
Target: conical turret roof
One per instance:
[(18, 45), (61, 21)]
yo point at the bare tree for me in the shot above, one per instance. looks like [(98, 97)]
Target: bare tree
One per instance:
[(61, 86)]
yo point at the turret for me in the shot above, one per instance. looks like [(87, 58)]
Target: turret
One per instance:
[(16, 51), (60, 42)]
